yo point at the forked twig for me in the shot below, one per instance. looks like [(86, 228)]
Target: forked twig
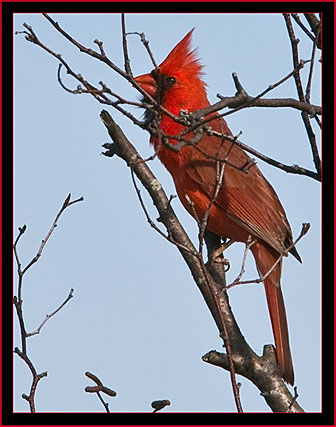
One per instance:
[(304, 230), (99, 388), (18, 302)]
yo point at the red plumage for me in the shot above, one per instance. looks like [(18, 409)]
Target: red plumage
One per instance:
[(246, 204)]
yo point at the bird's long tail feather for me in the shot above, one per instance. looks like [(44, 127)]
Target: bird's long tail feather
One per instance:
[(276, 307)]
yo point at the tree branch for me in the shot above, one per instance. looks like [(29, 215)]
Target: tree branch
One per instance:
[(99, 388), (305, 117), (271, 386), (18, 302), (49, 316)]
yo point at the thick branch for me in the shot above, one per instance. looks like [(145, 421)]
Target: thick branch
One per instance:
[(263, 375)]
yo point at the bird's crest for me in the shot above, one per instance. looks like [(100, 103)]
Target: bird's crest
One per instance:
[(182, 59)]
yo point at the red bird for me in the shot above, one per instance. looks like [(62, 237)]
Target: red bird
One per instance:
[(246, 204)]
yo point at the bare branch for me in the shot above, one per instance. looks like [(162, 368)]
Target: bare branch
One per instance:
[(18, 302), (304, 230), (315, 25), (310, 77), (127, 63), (98, 389), (66, 204), (303, 27), (224, 332), (243, 100), (156, 184), (49, 316), (88, 51), (146, 44), (100, 56), (295, 55), (275, 392), (248, 245)]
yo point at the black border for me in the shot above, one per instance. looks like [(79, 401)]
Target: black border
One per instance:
[(327, 415)]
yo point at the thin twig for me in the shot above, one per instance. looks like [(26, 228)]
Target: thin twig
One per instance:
[(66, 204), (215, 254), (49, 316), (243, 100), (82, 48), (311, 68), (218, 185), (295, 56), (304, 230), (105, 404), (295, 397), (256, 101), (223, 334), (98, 94), (248, 245), (100, 45), (100, 57), (202, 228), (151, 222), (146, 44), (294, 169), (127, 63)]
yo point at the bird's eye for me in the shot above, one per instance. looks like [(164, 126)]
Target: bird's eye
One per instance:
[(170, 81)]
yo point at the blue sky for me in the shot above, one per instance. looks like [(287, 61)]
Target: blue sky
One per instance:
[(137, 320)]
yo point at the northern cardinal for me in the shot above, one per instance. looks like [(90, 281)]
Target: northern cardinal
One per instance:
[(246, 204)]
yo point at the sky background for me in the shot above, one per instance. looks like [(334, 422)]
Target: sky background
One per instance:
[(137, 319)]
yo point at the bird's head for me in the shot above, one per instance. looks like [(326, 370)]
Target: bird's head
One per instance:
[(176, 83)]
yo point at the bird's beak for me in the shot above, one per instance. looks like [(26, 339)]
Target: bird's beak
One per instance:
[(147, 82)]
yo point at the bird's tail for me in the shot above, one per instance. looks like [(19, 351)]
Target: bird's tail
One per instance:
[(265, 259)]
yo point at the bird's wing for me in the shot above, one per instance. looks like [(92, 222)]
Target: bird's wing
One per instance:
[(246, 197)]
